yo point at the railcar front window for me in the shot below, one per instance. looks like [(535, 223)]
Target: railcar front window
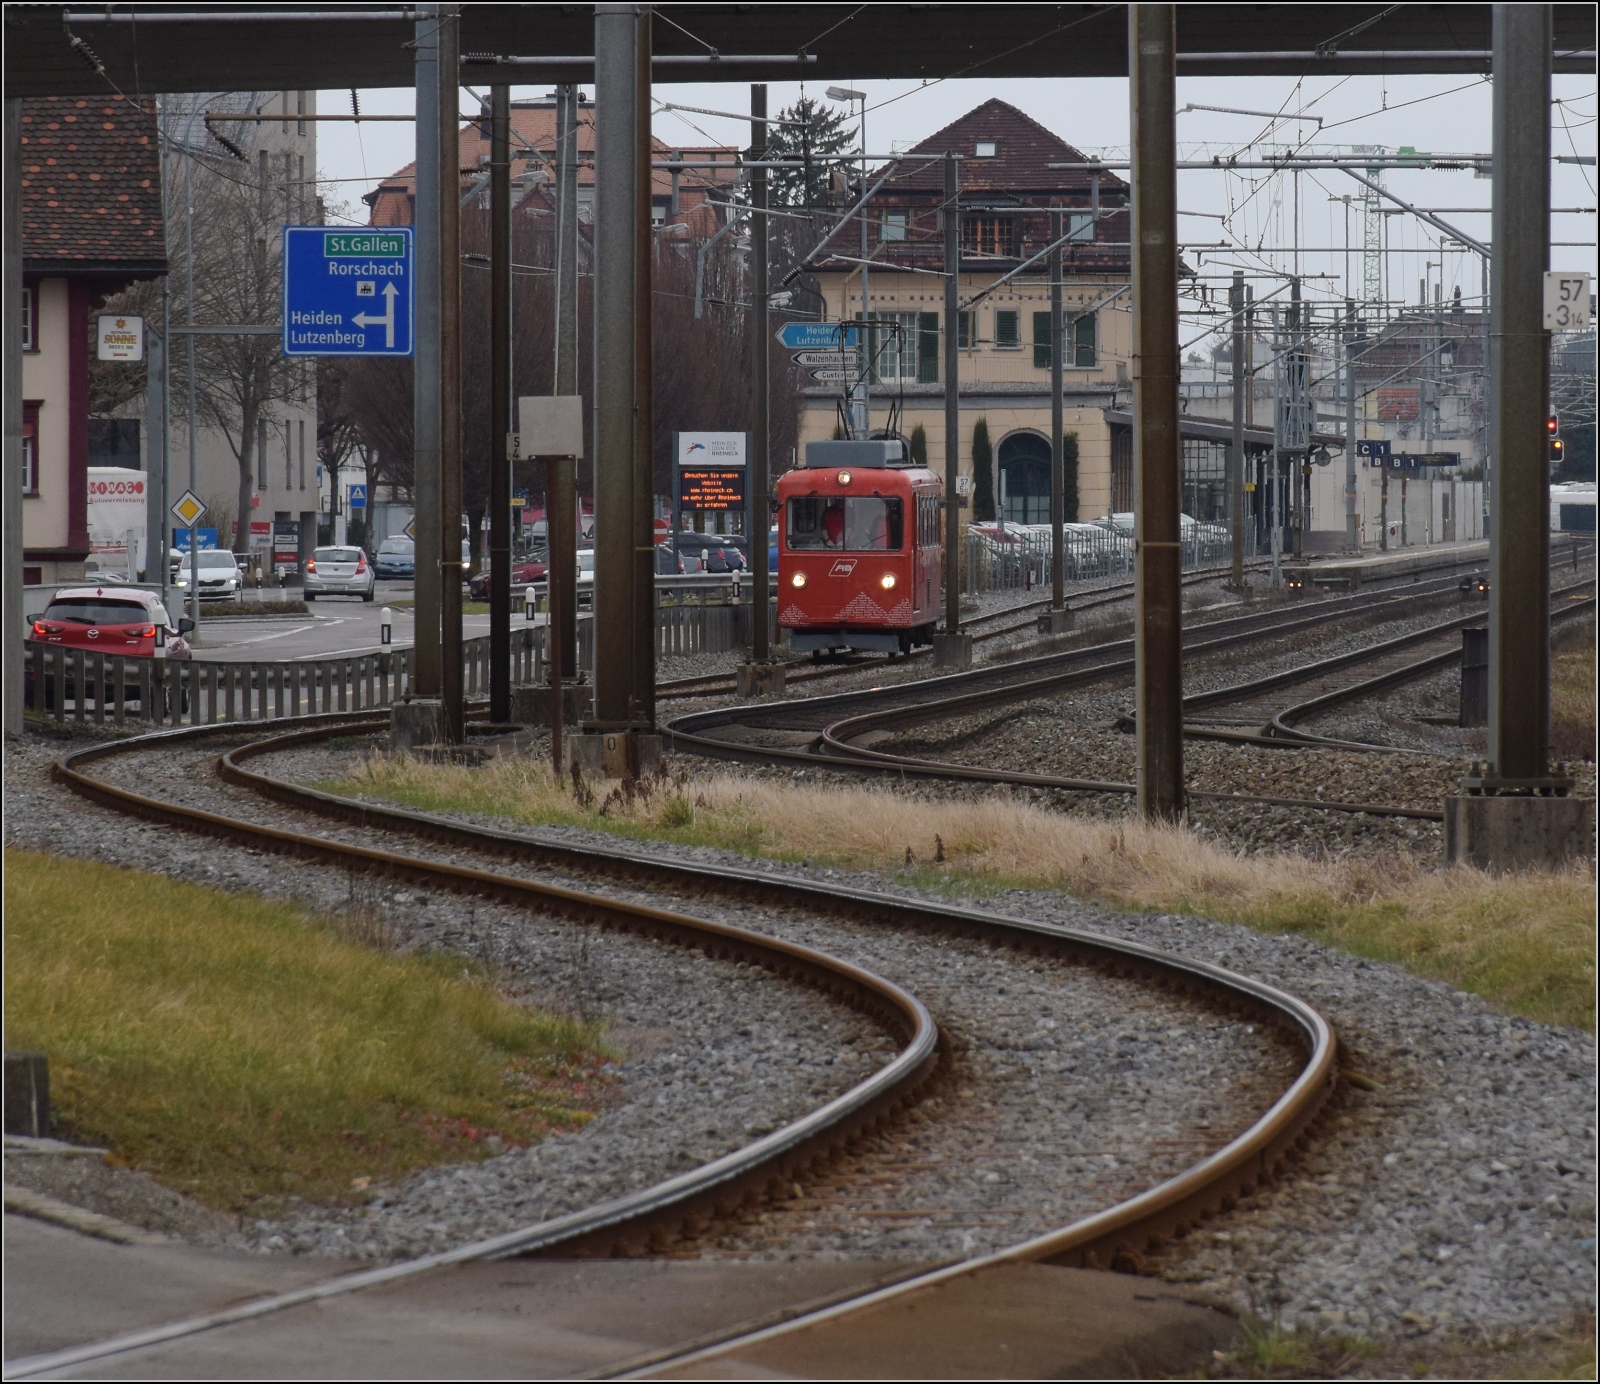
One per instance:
[(852, 524)]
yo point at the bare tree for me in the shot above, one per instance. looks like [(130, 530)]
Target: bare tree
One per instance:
[(238, 277)]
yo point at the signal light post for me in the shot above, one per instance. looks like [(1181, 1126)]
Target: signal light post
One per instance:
[(1514, 812)]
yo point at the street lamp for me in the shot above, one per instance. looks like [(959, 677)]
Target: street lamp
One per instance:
[(863, 388)]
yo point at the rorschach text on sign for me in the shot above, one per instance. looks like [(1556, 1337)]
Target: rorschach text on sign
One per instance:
[(347, 293)]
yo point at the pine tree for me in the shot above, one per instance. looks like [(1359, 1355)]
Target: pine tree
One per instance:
[(919, 446), (819, 131), (1069, 482), (982, 473)]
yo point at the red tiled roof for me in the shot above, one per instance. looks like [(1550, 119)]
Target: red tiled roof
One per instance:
[(535, 123), (91, 186), (1024, 149)]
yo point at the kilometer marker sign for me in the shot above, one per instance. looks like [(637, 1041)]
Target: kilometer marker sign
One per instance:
[(333, 284)]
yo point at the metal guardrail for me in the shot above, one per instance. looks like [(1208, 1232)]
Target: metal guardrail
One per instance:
[(1017, 557), (88, 687)]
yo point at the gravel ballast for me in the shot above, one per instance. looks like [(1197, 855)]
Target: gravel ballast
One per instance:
[(1457, 1190)]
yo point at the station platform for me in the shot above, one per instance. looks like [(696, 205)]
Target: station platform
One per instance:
[(1351, 573)]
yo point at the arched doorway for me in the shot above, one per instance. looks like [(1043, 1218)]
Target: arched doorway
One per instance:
[(1024, 464)]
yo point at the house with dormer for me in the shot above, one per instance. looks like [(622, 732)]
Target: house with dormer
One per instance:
[(1010, 194)]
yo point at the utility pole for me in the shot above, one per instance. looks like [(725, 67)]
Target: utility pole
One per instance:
[(449, 516), (760, 674), (1299, 420), (155, 451), (1275, 495), (561, 487), (952, 648), (1352, 530), (1057, 620), (1236, 451), (425, 670), (1158, 632), (621, 743), (500, 421), (1514, 813), (12, 300)]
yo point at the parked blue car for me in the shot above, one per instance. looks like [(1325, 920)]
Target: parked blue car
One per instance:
[(396, 557)]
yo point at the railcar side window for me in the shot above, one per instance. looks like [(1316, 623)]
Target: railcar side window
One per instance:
[(855, 523)]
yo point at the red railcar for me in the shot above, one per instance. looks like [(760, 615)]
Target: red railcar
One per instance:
[(860, 549)]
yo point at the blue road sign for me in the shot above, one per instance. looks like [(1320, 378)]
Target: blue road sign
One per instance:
[(347, 293), (358, 497), (818, 336), (1372, 447), (205, 539)]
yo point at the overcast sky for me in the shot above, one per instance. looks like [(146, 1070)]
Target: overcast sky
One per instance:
[(1435, 114)]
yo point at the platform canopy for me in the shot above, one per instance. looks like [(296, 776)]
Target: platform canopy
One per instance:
[(167, 48)]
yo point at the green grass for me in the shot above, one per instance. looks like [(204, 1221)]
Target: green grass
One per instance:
[(1525, 942), (243, 1050), (1543, 1352), (467, 607)]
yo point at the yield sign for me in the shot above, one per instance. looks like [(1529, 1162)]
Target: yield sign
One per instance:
[(189, 507)]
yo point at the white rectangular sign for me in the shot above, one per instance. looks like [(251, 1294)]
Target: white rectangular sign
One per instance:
[(1567, 304), (711, 449), (119, 337)]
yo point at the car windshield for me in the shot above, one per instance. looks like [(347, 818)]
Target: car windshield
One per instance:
[(213, 558), (853, 523), (586, 560), (397, 547), (338, 554), (94, 610)]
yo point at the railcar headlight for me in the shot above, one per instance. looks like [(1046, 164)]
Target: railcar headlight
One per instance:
[(843, 478), (886, 581), (798, 579)]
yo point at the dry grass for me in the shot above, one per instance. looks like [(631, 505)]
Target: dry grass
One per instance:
[(1572, 697), (243, 1050), (1525, 942)]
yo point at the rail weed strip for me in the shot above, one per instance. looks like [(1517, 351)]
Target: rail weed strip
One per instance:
[(244, 1050), (1526, 943)]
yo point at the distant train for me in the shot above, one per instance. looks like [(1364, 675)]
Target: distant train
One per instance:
[(1572, 507), (860, 549)]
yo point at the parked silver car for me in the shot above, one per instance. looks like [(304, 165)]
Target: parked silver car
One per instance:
[(340, 572)]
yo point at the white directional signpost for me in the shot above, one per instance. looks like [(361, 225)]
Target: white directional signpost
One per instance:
[(830, 351), (347, 293)]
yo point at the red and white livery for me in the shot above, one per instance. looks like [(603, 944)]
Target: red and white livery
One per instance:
[(860, 549)]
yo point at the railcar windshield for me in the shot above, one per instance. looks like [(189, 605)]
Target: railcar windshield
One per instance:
[(846, 523)]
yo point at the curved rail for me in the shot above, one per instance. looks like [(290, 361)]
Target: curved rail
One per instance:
[(1128, 1229), (1001, 684)]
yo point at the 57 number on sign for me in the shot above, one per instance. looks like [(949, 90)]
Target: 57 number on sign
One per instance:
[(1568, 306)]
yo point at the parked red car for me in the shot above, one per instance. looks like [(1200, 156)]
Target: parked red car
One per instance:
[(112, 620), (523, 571)]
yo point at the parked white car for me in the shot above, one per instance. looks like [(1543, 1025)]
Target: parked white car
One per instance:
[(220, 577)]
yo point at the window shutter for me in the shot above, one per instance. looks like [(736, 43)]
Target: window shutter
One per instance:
[(1005, 327), (928, 348), (964, 329), (1041, 340), (1084, 340)]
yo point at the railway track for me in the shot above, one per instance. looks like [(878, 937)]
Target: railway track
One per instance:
[(836, 731), (995, 625), (1255, 712), (983, 628), (684, 1205)]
